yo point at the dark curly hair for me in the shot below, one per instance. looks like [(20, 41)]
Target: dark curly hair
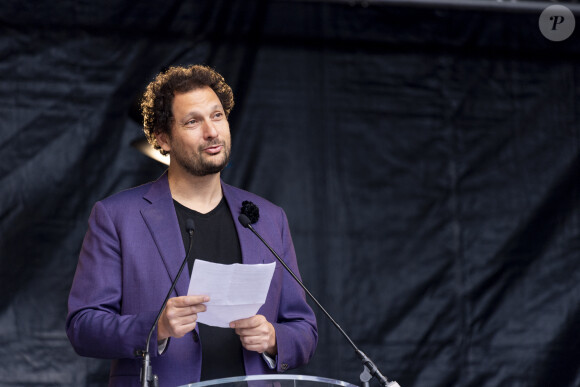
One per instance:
[(157, 102)]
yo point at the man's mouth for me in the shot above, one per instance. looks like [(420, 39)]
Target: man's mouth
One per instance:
[(213, 149)]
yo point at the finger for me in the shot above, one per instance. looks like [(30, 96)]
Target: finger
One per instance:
[(252, 340), (183, 307), (248, 329), (185, 320), (185, 301), (184, 329), (171, 326), (255, 343), (250, 322), (180, 326), (173, 311), (261, 330)]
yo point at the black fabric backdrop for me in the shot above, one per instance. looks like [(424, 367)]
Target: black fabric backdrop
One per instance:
[(428, 160)]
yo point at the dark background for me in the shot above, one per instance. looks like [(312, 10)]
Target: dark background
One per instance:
[(427, 158)]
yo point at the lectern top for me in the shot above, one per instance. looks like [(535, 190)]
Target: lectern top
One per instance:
[(273, 380)]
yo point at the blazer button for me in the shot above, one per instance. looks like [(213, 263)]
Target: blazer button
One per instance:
[(195, 336), (284, 366)]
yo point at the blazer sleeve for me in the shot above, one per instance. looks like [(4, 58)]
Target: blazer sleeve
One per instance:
[(95, 325), (296, 331)]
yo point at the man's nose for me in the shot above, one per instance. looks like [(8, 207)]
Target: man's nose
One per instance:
[(210, 130)]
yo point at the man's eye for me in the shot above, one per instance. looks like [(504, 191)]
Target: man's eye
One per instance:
[(191, 122)]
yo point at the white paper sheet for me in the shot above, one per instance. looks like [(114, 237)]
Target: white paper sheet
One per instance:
[(236, 291)]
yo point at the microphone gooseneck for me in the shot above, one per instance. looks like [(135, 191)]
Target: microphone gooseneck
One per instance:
[(369, 366), (147, 377)]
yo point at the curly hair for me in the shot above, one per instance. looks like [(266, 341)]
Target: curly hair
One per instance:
[(157, 102)]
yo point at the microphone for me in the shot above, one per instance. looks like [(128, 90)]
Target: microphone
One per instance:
[(147, 377), (251, 210)]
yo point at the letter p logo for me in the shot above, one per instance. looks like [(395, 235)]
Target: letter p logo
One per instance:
[(557, 20), (557, 23)]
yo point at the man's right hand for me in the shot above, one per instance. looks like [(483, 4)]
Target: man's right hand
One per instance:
[(179, 316)]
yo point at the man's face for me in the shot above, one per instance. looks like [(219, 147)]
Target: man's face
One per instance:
[(200, 140)]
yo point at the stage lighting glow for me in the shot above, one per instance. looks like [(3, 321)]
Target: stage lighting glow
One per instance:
[(144, 147)]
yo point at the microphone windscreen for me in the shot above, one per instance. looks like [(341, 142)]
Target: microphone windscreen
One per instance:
[(251, 211), (189, 225), (244, 220)]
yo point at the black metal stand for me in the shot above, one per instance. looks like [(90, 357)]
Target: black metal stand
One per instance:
[(148, 379), (369, 370), (365, 377)]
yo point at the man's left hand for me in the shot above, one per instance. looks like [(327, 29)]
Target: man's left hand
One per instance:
[(256, 334)]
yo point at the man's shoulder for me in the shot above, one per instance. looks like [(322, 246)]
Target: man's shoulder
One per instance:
[(240, 195), (128, 197)]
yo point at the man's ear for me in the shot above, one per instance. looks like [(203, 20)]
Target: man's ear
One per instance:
[(162, 140)]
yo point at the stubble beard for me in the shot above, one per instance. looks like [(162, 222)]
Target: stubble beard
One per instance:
[(196, 165)]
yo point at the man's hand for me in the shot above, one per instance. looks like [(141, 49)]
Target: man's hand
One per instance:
[(179, 316), (256, 334)]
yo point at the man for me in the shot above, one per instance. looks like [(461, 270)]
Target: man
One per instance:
[(136, 242)]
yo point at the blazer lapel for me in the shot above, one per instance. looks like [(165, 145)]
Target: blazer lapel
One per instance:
[(250, 249), (161, 219), (162, 223)]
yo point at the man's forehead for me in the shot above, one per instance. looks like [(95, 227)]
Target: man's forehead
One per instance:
[(197, 99), (194, 89)]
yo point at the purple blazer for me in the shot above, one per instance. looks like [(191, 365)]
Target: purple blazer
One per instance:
[(130, 255)]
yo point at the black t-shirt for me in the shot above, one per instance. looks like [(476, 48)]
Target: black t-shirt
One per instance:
[(215, 239)]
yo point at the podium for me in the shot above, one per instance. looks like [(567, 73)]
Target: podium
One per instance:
[(273, 380)]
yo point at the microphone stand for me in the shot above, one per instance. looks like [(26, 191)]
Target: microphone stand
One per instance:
[(148, 379), (369, 368)]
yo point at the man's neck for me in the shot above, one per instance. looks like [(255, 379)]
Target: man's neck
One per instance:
[(199, 193)]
